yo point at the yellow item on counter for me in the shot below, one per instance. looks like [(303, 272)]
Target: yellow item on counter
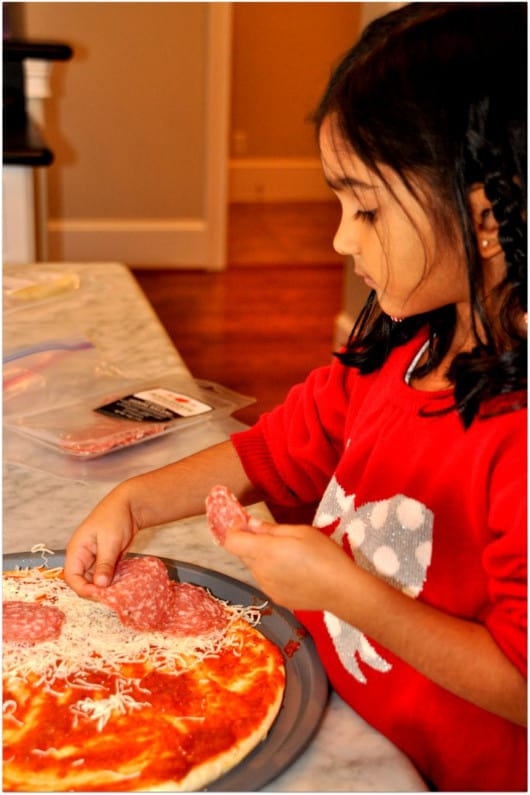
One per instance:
[(40, 285)]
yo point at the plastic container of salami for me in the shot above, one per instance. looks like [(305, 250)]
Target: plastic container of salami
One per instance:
[(103, 423)]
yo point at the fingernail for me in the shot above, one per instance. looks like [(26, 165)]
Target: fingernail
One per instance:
[(254, 523), (101, 579)]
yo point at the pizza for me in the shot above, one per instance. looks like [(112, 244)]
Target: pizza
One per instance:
[(157, 686)]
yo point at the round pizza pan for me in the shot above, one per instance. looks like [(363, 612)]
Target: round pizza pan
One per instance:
[(306, 688)]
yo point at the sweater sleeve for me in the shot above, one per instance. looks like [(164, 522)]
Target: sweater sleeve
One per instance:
[(505, 558), (293, 450)]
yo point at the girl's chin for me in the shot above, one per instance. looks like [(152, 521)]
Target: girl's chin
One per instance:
[(394, 315)]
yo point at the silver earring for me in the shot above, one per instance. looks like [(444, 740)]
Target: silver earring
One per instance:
[(485, 243)]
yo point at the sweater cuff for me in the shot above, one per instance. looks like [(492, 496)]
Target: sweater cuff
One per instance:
[(259, 466)]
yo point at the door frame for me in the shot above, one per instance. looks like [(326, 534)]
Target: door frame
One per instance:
[(217, 132)]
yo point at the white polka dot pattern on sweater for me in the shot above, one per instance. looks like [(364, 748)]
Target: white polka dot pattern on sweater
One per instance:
[(390, 538)]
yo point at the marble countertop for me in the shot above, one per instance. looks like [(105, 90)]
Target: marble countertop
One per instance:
[(45, 498)]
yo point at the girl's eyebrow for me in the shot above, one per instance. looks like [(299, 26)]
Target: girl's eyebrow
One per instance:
[(345, 182)]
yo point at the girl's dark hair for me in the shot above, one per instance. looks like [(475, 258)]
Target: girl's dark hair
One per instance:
[(437, 92)]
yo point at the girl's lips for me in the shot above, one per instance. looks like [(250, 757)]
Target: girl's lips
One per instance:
[(367, 280)]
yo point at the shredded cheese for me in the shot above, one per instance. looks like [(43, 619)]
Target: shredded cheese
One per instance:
[(43, 549), (9, 708), (93, 642), (100, 709)]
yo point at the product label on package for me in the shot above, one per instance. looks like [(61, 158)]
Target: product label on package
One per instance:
[(155, 405)]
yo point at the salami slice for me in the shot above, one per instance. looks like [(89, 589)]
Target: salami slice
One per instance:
[(224, 511), (30, 622), (146, 599), (140, 593), (100, 438), (195, 612)]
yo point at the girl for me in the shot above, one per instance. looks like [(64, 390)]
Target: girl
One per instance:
[(412, 579)]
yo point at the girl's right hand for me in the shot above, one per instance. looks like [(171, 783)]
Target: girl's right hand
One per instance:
[(147, 500), (98, 543)]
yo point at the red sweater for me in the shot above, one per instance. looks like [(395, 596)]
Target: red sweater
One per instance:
[(437, 511)]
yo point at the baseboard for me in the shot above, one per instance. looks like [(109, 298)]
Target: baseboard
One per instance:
[(183, 243), (18, 218), (277, 179), (140, 242)]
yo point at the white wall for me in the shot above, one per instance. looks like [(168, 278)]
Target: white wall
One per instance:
[(130, 124)]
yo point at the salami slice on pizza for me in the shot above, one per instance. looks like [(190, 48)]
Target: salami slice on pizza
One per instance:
[(159, 686)]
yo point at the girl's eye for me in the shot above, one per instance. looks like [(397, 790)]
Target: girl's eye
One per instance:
[(366, 215)]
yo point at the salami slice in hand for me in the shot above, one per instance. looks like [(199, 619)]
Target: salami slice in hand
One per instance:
[(224, 511), (140, 593), (147, 600)]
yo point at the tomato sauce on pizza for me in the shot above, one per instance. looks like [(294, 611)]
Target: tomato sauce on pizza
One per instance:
[(102, 705)]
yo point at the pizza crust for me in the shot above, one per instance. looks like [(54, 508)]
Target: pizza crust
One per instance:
[(214, 769)]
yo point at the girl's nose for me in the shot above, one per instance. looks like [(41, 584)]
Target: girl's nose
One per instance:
[(344, 242)]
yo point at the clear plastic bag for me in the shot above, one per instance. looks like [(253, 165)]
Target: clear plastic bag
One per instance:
[(61, 394), (52, 372)]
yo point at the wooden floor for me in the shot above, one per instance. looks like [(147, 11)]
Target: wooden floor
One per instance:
[(260, 326)]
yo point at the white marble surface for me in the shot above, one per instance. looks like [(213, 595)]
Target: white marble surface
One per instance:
[(44, 501)]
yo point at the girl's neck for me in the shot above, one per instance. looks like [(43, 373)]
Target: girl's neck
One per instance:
[(464, 339)]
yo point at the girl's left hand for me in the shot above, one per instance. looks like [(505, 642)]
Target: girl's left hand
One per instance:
[(300, 568), (297, 566)]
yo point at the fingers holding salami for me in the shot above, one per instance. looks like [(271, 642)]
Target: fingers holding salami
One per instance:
[(147, 600), (223, 512)]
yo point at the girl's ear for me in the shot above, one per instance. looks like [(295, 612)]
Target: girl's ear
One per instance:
[(486, 227)]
